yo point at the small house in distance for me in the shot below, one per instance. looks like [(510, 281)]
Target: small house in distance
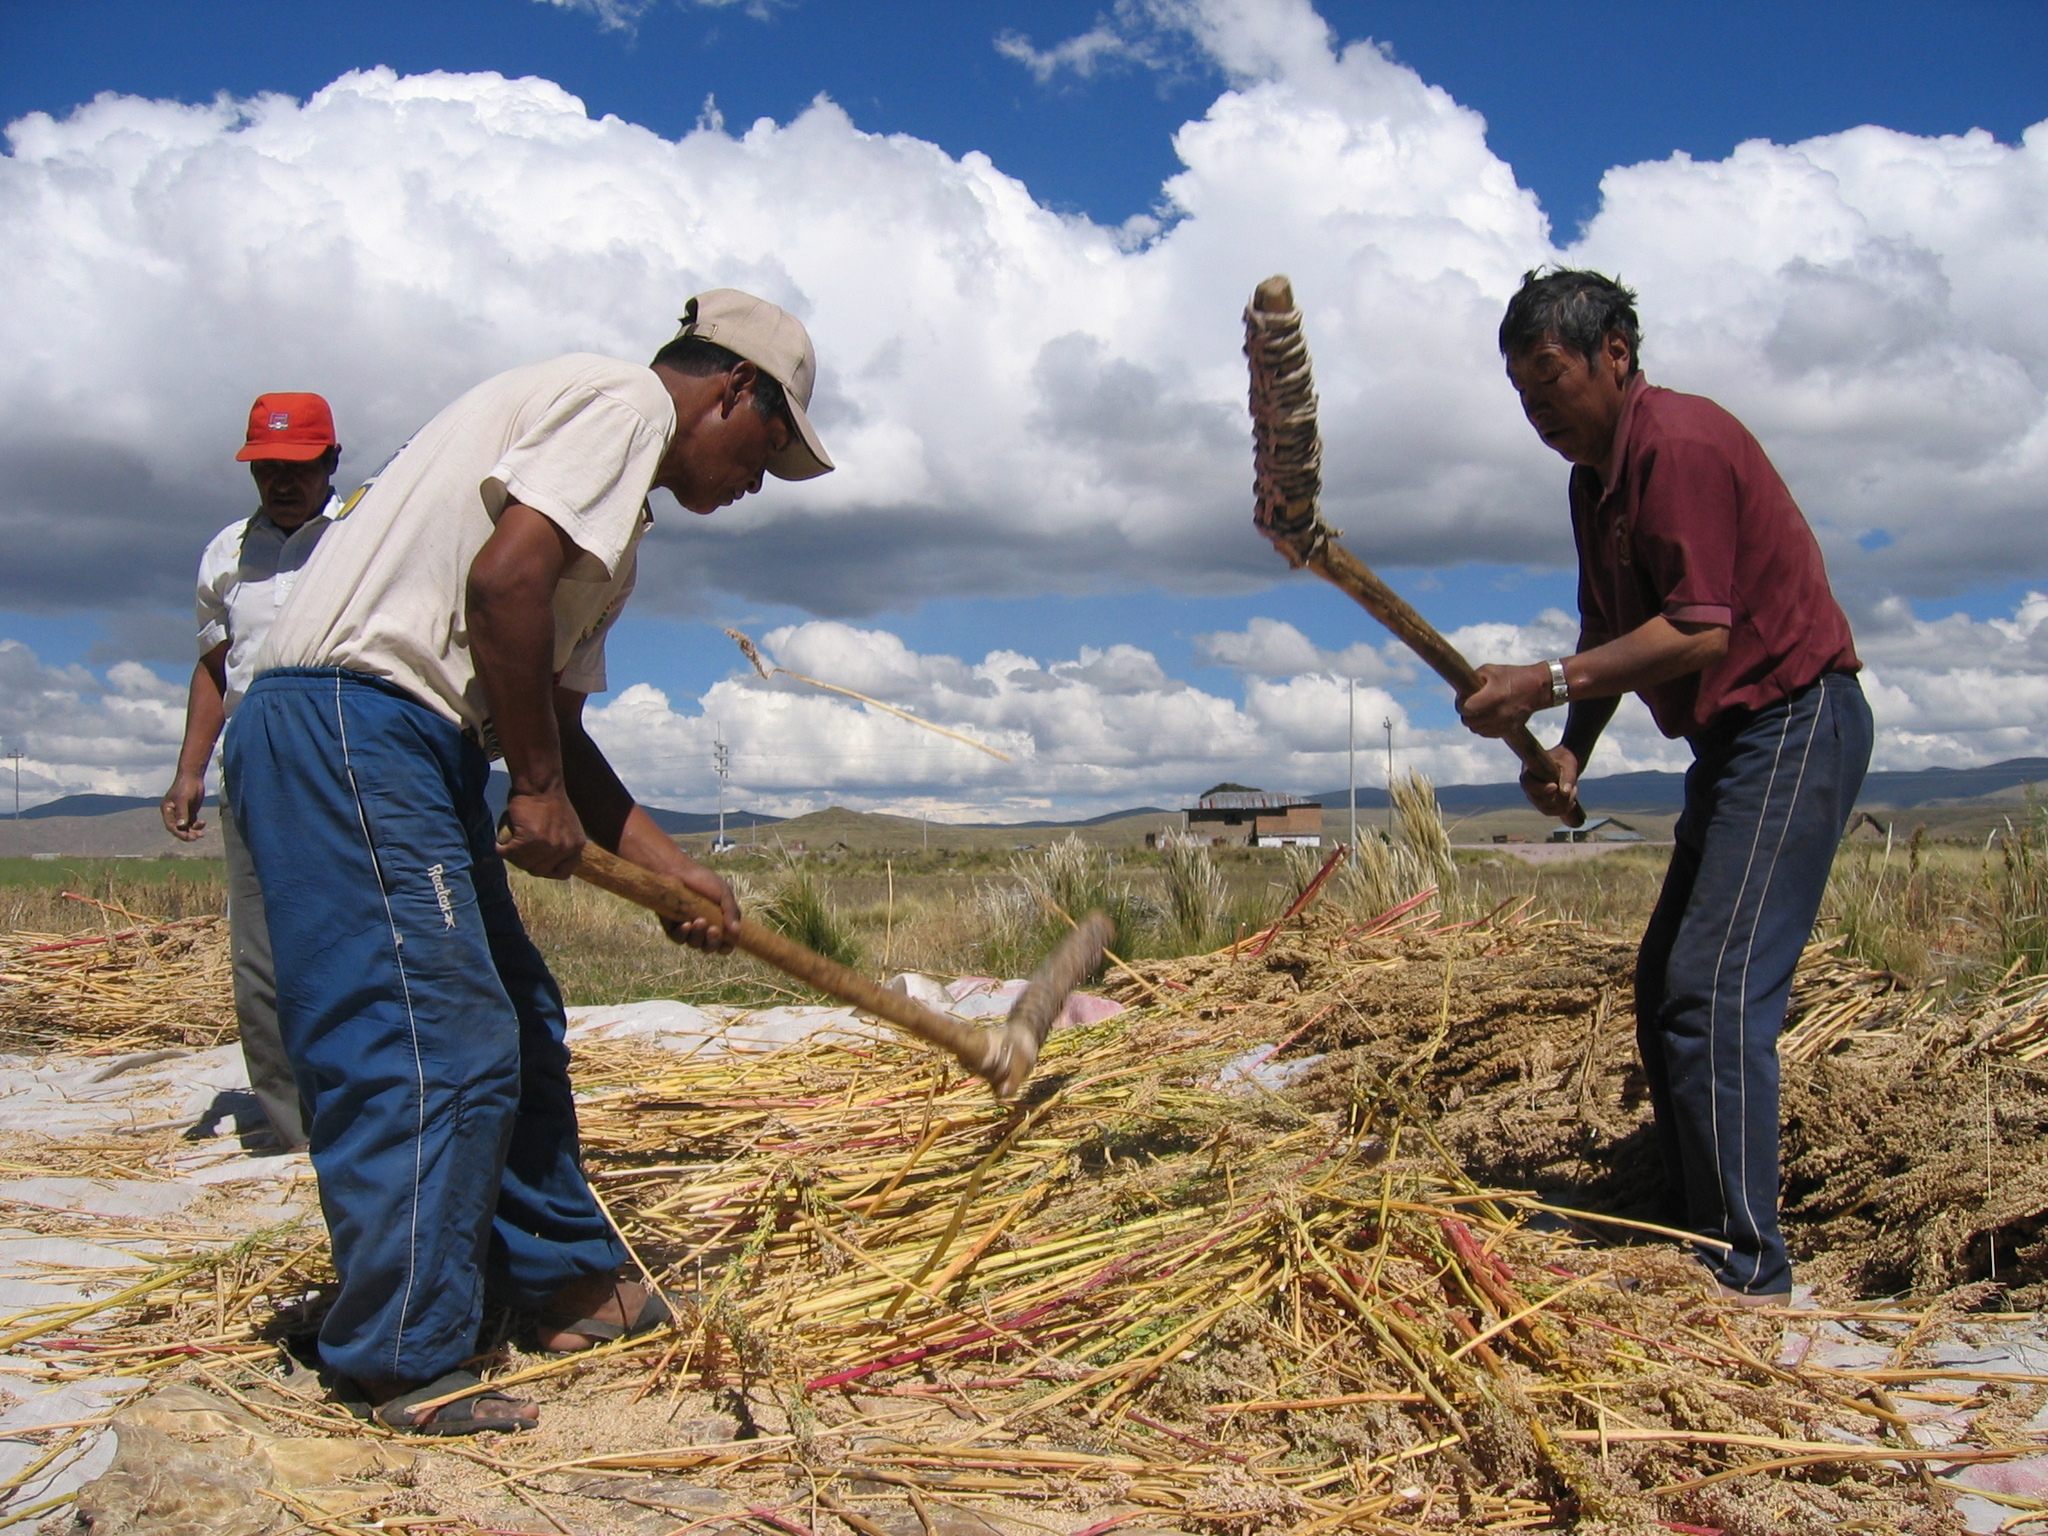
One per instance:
[(1237, 813), (1602, 829)]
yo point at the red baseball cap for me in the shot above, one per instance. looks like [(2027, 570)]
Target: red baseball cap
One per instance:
[(295, 428)]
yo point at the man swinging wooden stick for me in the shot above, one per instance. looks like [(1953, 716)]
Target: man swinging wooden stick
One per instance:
[(1702, 590), (458, 605)]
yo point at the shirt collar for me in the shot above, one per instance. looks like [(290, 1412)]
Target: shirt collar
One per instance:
[(261, 518)]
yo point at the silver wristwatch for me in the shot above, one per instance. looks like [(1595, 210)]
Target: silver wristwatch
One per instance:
[(1560, 690)]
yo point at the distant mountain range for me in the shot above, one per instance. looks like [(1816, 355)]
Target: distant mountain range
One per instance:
[(669, 821), (681, 823), (1895, 789), (1093, 821), (91, 805), (1620, 792)]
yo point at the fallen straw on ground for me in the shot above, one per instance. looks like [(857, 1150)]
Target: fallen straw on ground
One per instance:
[(139, 982), (1134, 1297)]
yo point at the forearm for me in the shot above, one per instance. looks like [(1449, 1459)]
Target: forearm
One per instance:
[(603, 803), (606, 807), (1654, 652), (512, 642), (1647, 655), (204, 714), (1583, 724), (611, 819)]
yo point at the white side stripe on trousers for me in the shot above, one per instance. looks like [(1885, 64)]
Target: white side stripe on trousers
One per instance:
[(412, 1251), (1819, 697)]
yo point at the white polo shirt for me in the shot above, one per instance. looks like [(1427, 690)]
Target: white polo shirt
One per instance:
[(245, 576), (578, 439)]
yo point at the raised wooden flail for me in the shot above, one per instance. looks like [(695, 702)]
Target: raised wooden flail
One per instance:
[(1288, 457)]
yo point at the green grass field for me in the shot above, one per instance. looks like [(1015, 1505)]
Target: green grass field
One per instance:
[(1921, 909), (33, 900)]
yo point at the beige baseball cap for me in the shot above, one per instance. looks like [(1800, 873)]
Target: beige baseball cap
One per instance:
[(775, 341)]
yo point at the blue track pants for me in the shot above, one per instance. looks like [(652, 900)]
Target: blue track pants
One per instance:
[(1766, 802), (422, 1024)]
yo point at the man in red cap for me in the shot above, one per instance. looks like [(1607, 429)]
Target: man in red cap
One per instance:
[(245, 576)]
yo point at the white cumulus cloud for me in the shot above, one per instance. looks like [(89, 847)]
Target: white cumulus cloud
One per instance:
[(1103, 728), (77, 732), (1021, 400), (1274, 648), (1553, 632)]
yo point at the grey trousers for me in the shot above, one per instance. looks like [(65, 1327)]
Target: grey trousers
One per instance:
[(270, 1074)]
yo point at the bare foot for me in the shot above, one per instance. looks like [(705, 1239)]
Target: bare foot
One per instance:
[(601, 1298)]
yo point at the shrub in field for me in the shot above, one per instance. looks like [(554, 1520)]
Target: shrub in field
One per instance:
[(1069, 880), (1302, 865), (1368, 882), (1864, 905), (1010, 921), (1419, 826), (1197, 903), (1930, 908), (2018, 898), (1381, 874), (797, 907)]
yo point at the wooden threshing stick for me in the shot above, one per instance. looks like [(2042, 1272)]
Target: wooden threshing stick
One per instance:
[(1288, 454), (1004, 1057)]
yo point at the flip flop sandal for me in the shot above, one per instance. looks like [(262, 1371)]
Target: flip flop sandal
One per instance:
[(654, 1313), (464, 1416)]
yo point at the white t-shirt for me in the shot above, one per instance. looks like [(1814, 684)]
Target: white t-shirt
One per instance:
[(244, 577), (578, 439)]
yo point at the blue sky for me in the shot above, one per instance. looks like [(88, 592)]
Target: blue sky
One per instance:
[(1634, 82), (1567, 90)]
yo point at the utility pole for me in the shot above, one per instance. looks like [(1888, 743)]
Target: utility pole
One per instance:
[(721, 764), (1351, 749), (1388, 725), (16, 754)]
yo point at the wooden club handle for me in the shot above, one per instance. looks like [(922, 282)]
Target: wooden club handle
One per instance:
[(981, 1051), (1338, 566)]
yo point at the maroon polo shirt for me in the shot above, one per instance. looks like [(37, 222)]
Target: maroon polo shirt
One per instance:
[(1690, 521)]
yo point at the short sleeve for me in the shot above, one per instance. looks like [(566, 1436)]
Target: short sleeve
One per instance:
[(587, 466), (217, 568), (585, 672), (1684, 531)]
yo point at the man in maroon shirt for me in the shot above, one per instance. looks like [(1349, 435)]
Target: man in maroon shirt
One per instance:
[(1701, 589)]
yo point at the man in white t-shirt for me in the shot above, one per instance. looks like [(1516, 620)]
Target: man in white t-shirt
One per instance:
[(245, 575), (457, 609)]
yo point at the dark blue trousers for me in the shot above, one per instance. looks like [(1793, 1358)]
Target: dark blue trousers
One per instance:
[(422, 1024), (1766, 801)]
